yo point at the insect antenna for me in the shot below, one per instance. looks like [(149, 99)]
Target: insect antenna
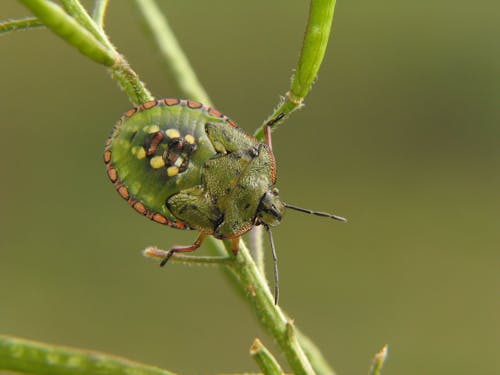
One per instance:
[(275, 262), (317, 213)]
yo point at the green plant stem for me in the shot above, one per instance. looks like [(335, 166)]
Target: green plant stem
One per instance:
[(26, 356), (270, 315), (90, 43), (176, 61), (56, 19), (154, 252), (76, 10), (378, 361), (99, 12), (313, 50), (266, 361), (319, 363), (19, 24)]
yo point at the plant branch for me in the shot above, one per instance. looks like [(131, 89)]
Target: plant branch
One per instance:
[(26, 356), (264, 358), (176, 61), (154, 252), (28, 23), (272, 318), (91, 41), (99, 12), (378, 361), (56, 19), (76, 10), (313, 50)]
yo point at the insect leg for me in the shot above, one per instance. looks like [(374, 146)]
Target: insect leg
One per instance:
[(267, 136), (267, 129), (183, 249), (234, 245)]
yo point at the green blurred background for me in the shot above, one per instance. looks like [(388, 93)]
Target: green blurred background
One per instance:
[(400, 134)]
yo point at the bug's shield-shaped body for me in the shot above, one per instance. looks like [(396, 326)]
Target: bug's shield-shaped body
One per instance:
[(188, 166)]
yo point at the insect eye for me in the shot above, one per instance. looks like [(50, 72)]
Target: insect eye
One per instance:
[(275, 192)]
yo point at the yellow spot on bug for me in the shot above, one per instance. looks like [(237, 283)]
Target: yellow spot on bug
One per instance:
[(189, 139), (140, 153), (173, 133), (157, 162), (172, 171), (151, 129)]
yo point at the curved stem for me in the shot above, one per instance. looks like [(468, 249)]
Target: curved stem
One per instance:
[(313, 50)]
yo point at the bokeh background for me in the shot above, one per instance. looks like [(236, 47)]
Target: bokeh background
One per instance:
[(400, 134)]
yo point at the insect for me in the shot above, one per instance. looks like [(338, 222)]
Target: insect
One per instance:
[(186, 165)]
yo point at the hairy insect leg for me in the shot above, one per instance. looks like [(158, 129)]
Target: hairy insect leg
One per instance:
[(183, 249)]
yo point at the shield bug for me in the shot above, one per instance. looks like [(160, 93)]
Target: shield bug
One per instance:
[(186, 165)]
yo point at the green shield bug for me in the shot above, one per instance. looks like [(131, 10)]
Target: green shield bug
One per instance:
[(188, 166)]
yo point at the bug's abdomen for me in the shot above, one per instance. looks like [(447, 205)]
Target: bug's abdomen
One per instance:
[(158, 150)]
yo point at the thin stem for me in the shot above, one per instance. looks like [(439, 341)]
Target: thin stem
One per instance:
[(176, 61), (99, 12), (313, 50), (78, 12), (318, 361), (86, 36), (28, 23), (270, 315), (130, 83), (154, 252), (56, 19), (378, 361), (26, 356), (264, 358)]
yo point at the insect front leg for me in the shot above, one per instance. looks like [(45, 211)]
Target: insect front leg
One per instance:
[(267, 129)]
